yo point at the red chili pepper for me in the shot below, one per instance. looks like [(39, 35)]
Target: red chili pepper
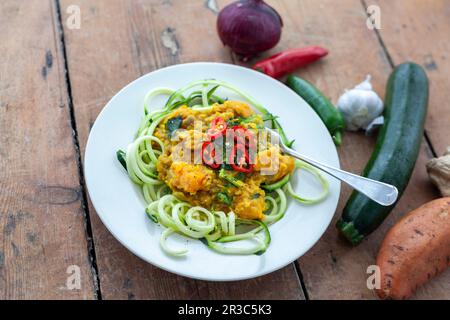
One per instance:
[(209, 154), (288, 61), (244, 136), (240, 162), (218, 128)]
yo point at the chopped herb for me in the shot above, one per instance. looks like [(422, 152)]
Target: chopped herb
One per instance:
[(234, 121), (226, 166), (224, 197), (241, 120), (249, 119), (240, 176), (235, 182), (173, 125), (255, 196)]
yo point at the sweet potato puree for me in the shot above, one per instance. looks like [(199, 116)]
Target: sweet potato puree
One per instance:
[(197, 183)]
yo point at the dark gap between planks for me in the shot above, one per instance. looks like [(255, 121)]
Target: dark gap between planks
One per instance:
[(87, 220)]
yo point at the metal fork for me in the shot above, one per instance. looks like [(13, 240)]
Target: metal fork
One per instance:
[(382, 193)]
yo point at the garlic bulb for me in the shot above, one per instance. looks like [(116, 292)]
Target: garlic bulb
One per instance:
[(360, 106)]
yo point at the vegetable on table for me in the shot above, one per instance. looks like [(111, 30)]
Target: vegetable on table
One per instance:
[(416, 249), (249, 27), (439, 172), (288, 61), (395, 152), (360, 106), (330, 115)]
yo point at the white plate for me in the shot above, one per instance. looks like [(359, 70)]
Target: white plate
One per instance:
[(120, 204)]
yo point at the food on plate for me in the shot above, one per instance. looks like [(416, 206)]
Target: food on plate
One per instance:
[(249, 27), (416, 249), (287, 61), (208, 170), (360, 106), (202, 184), (439, 172), (330, 115), (395, 152)]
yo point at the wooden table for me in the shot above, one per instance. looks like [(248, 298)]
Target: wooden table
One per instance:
[(55, 79)]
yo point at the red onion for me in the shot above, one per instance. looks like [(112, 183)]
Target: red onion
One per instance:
[(249, 27)]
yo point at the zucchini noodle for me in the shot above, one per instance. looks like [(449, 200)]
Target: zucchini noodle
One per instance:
[(216, 229), (323, 182)]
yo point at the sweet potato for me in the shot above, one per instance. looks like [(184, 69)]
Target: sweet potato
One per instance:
[(416, 249)]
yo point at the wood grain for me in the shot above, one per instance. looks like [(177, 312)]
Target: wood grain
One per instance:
[(41, 216), (332, 269), (118, 42), (419, 31)]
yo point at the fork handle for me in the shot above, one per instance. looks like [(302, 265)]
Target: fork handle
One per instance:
[(382, 193)]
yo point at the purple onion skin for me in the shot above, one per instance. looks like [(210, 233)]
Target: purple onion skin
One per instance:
[(249, 27)]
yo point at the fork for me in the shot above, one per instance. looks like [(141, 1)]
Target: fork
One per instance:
[(380, 192)]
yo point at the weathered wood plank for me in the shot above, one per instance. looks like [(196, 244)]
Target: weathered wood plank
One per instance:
[(419, 31), (119, 41), (41, 217), (332, 269)]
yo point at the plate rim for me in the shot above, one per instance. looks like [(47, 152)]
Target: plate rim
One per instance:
[(160, 265)]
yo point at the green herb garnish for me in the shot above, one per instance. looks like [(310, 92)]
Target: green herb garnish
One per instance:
[(255, 196), (173, 124), (224, 198)]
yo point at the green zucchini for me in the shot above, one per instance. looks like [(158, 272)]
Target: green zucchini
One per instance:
[(279, 184), (396, 149), (330, 115)]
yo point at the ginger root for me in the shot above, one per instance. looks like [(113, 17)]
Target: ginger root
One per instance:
[(439, 172)]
